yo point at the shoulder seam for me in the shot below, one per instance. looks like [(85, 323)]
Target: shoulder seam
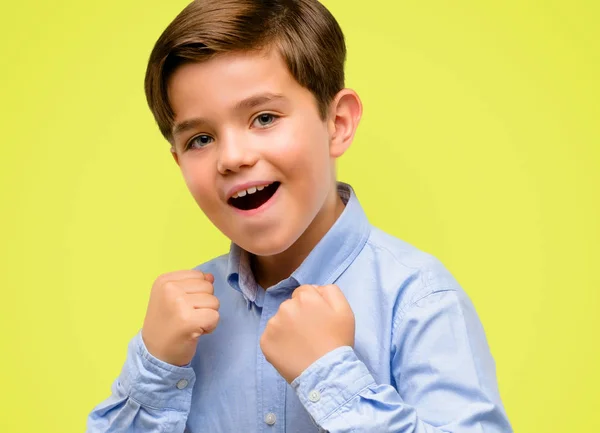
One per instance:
[(426, 290), (390, 252), (402, 312)]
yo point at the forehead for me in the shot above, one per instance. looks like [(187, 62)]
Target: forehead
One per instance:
[(224, 80)]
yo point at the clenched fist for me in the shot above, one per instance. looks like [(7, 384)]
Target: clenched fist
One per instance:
[(315, 321), (182, 307)]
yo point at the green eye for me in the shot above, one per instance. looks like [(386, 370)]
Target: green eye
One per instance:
[(200, 141)]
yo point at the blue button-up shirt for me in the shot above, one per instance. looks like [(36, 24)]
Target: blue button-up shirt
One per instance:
[(420, 362)]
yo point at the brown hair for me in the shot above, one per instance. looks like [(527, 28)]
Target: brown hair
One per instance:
[(306, 34)]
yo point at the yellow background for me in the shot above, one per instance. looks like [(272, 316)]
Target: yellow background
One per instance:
[(479, 144)]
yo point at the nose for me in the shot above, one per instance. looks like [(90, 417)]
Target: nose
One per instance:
[(234, 154)]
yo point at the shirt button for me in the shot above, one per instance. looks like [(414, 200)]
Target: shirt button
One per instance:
[(182, 384), (270, 418), (314, 396)]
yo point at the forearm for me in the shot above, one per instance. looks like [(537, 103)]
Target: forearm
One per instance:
[(342, 397), (148, 397)]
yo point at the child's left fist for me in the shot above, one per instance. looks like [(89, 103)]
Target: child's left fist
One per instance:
[(312, 323)]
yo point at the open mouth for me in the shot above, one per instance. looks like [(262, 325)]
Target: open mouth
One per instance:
[(253, 198)]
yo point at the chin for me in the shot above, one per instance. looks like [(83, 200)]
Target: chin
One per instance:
[(267, 245)]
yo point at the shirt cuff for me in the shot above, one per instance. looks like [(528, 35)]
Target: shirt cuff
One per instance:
[(154, 383), (331, 381)]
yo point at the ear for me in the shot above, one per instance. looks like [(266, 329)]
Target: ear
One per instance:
[(345, 114), (175, 156)]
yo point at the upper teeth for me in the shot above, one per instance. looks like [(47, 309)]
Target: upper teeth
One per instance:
[(250, 190)]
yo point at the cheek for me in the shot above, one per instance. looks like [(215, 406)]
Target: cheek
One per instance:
[(198, 179), (303, 151)]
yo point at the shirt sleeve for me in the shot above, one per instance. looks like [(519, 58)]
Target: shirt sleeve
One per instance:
[(149, 396), (443, 377)]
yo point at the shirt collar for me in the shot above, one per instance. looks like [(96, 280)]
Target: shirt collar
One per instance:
[(325, 263)]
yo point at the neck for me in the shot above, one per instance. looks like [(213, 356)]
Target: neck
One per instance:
[(269, 270)]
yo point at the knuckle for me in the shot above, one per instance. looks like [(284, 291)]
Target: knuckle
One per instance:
[(290, 305), (163, 277), (272, 322), (304, 296), (159, 282), (261, 342), (170, 287), (264, 341), (302, 289), (286, 307)]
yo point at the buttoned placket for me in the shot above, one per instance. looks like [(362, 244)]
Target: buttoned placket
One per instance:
[(272, 388)]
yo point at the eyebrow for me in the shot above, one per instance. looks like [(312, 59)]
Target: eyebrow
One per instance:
[(188, 124), (244, 104), (256, 100)]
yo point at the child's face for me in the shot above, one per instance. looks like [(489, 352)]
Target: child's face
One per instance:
[(250, 124)]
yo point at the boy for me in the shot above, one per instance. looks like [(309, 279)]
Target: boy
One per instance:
[(315, 320)]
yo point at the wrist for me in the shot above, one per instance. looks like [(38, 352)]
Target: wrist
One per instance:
[(292, 370), (161, 353), (155, 383), (331, 381)]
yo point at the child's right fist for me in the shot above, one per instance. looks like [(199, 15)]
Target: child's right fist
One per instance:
[(182, 307)]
